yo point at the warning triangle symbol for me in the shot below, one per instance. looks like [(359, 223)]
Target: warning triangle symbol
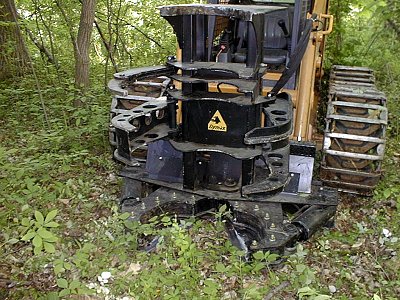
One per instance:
[(217, 123)]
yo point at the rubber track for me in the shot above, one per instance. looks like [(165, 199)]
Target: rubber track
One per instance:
[(354, 139)]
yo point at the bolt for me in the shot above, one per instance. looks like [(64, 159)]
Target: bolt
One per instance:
[(254, 243), (158, 200), (267, 217), (143, 206), (148, 119), (321, 188), (291, 175), (273, 226), (173, 195), (272, 238), (256, 208), (230, 182), (160, 158)]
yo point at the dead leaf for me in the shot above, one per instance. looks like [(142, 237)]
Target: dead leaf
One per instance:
[(359, 244), (134, 269), (64, 201)]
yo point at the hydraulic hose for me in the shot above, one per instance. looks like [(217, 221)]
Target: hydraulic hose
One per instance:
[(295, 57)]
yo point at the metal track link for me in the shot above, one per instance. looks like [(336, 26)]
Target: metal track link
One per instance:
[(354, 138)]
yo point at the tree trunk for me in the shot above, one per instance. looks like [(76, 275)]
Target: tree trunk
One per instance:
[(82, 46), (14, 58)]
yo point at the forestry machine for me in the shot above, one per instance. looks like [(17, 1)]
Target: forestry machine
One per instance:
[(232, 119)]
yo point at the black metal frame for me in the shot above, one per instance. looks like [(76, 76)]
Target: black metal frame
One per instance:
[(228, 148)]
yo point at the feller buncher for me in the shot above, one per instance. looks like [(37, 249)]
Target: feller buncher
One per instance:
[(231, 119)]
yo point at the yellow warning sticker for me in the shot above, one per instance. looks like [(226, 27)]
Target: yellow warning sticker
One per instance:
[(217, 123)]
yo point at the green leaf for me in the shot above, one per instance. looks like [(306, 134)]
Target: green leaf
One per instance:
[(30, 234), (272, 257), (62, 283), (124, 216), (39, 217), (387, 193), (49, 247), (210, 287), (37, 241), (50, 216), (51, 225), (74, 284), (52, 239), (88, 247), (30, 185), (44, 234), (153, 219), (306, 291), (322, 297), (259, 266), (25, 222), (259, 255), (19, 173), (166, 219), (24, 207), (52, 296), (220, 268), (38, 250), (12, 241), (58, 269), (222, 209), (300, 268), (85, 291), (67, 266), (64, 293)]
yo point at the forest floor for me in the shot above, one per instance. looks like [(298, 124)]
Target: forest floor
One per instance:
[(62, 234)]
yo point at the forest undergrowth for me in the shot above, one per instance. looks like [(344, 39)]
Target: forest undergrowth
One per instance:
[(62, 233)]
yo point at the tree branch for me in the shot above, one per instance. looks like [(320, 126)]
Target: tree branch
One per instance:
[(276, 290), (69, 25), (41, 47), (106, 44), (134, 27)]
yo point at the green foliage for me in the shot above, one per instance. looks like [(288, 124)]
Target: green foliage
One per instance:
[(309, 293), (37, 231), (134, 31)]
